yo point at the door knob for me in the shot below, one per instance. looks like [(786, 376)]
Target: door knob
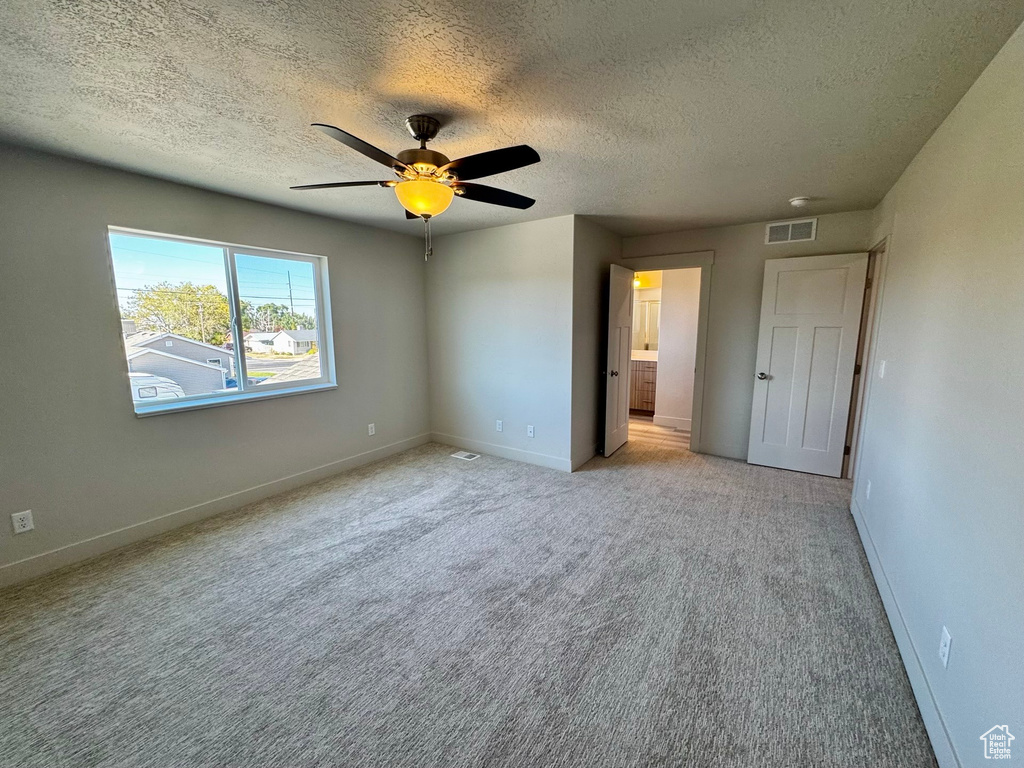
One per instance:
[(762, 375), (615, 373)]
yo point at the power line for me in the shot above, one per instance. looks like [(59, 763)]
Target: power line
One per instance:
[(176, 277), (202, 261), (198, 298)]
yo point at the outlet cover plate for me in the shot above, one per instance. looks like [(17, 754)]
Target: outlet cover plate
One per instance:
[(22, 521)]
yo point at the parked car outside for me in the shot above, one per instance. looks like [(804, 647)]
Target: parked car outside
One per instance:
[(149, 388)]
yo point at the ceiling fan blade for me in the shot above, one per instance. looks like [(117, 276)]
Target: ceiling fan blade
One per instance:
[(490, 163), (484, 194), (360, 146), (343, 184)]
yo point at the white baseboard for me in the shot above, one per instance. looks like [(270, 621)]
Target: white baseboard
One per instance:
[(938, 734), (673, 421), (37, 565), (516, 454)]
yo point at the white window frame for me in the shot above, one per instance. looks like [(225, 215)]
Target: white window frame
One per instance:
[(325, 341)]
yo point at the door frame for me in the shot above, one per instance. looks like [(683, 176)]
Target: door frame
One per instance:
[(703, 260), (880, 254)]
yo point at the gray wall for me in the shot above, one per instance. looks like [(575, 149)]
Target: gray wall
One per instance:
[(735, 306), (595, 249), (944, 430), (499, 320), (79, 457)]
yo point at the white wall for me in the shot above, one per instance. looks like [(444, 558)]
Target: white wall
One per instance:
[(72, 449), (595, 249), (677, 347), (499, 325), (944, 430), (735, 306)]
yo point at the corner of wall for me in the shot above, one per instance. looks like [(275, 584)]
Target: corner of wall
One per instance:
[(595, 249)]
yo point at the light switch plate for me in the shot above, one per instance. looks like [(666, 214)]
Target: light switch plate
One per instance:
[(944, 642)]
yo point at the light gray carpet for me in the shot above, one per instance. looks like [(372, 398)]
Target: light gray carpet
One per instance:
[(657, 608)]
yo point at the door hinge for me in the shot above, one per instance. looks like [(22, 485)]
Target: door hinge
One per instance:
[(846, 451), (867, 283), (856, 369)]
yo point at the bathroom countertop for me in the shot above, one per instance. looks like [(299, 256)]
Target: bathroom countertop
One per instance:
[(644, 354)]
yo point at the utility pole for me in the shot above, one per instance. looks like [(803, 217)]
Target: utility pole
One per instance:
[(291, 303), (202, 325)]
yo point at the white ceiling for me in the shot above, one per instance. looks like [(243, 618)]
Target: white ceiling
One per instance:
[(651, 116)]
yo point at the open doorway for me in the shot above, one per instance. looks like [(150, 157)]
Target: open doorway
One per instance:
[(663, 357)]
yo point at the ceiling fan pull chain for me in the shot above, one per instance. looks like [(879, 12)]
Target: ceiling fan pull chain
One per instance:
[(426, 235)]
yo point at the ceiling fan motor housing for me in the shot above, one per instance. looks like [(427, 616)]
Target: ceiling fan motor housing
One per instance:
[(422, 127), (414, 157)]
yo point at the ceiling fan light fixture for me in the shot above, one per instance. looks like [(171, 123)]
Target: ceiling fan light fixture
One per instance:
[(424, 198)]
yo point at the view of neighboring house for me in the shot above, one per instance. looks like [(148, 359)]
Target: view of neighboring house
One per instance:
[(294, 342), (196, 367), (259, 341), (280, 342), (180, 346)]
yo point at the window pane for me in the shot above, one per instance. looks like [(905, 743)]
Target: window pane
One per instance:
[(175, 316), (279, 319)]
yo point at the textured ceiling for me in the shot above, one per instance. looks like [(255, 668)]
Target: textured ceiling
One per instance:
[(651, 115)]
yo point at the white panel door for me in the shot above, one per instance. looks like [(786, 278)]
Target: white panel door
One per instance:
[(620, 342), (806, 351)]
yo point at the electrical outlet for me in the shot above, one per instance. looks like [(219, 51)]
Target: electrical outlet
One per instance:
[(499, 426), (944, 643), (371, 430), (881, 370), (22, 521), (867, 490), (529, 430)]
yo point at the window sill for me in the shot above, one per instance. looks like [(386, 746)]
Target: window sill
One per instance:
[(176, 406)]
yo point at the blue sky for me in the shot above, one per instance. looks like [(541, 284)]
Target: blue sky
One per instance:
[(142, 261)]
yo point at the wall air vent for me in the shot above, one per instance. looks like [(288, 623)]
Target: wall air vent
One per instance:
[(465, 455), (795, 231)]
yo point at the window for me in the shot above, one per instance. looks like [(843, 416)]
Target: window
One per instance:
[(185, 302)]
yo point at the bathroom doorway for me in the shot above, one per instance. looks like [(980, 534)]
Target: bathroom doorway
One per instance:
[(663, 357)]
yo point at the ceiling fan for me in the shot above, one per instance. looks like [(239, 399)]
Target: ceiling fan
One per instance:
[(427, 181)]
